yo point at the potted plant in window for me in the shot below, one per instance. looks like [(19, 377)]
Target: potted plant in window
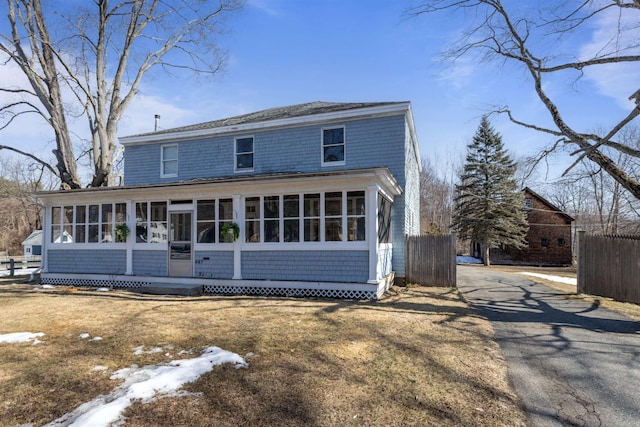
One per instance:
[(121, 231), (230, 231)]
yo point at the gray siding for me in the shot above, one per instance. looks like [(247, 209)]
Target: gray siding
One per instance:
[(150, 263), (98, 261), (406, 208), (214, 264), (374, 142), (325, 266)]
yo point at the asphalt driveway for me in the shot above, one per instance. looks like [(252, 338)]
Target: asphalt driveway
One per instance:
[(572, 363)]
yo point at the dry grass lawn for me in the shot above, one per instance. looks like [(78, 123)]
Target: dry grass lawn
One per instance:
[(418, 357)]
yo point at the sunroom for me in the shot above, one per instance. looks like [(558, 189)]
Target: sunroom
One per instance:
[(303, 234)]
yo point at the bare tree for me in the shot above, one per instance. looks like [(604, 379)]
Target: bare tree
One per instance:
[(93, 63), (19, 212), (532, 38), (598, 202), (436, 200)]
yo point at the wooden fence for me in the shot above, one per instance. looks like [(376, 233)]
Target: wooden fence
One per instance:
[(430, 260), (609, 266), (12, 264)]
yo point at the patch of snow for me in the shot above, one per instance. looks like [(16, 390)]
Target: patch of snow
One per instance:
[(140, 350), (99, 368), (96, 339), (18, 337), (559, 279), (145, 384), (18, 272), (103, 290), (84, 336), (39, 287), (467, 260)]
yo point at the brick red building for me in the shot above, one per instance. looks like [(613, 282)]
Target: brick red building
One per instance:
[(549, 237)]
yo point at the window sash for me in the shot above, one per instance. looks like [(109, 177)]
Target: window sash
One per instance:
[(244, 150), (169, 161)]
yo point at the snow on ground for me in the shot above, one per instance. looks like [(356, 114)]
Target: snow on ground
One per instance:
[(18, 337), (18, 272), (559, 279), (146, 384), (467, 260)]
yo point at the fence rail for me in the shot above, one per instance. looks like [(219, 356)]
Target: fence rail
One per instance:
[(12, 264), (431, 260), (609, 266)]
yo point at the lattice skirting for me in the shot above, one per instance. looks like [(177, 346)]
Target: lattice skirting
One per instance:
[(293, 292), (217, 289), (93, 283)]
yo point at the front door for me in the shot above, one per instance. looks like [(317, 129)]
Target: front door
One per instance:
[(180, 264)]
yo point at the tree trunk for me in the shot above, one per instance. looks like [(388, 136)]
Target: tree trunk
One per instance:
[(485, 255)]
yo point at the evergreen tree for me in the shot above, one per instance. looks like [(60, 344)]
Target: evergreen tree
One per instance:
[(489, 204)]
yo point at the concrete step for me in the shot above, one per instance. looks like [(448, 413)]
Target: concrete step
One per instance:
[(170, 289)]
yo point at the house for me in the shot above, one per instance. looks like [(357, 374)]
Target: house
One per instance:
[(32, 245), (549, 237), (321, 196)]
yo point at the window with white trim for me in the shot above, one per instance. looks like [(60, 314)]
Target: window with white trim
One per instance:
[(151, 222), (291, 210), (86, 223), (334, 216), (333, 146), (312, 217), (252, 219), (212, 216), (169, 160), (356, 223), (271, 206), (244, 154)]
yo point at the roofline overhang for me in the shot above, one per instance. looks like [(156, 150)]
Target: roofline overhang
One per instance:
[(381, 175), (380, 110)]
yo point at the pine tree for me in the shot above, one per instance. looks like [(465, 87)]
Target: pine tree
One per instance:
[(489, 204)]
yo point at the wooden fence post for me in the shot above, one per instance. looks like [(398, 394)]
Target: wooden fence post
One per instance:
[(12, 266), (581, 262)]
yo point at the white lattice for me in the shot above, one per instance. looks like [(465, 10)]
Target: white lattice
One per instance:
[(93, 283), (217, 289), (295, 292)]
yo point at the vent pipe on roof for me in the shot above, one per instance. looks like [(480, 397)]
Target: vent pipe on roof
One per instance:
[(157, 117)]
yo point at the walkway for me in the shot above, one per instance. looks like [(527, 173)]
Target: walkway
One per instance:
[(572, 363)]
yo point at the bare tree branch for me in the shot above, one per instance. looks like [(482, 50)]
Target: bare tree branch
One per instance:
[(31, 156), (506, 36)]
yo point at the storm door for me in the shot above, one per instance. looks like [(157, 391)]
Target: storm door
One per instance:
[(180, 256)]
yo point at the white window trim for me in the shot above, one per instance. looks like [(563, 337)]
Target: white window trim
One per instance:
[(162, 160), (344, 146), (235, 153)]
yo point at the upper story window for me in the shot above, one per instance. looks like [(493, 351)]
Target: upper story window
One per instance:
[(333, 146), (527, 203), (169, 155), (244, 154)]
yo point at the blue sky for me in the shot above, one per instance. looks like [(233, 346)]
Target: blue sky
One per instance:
[(283, 52)]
